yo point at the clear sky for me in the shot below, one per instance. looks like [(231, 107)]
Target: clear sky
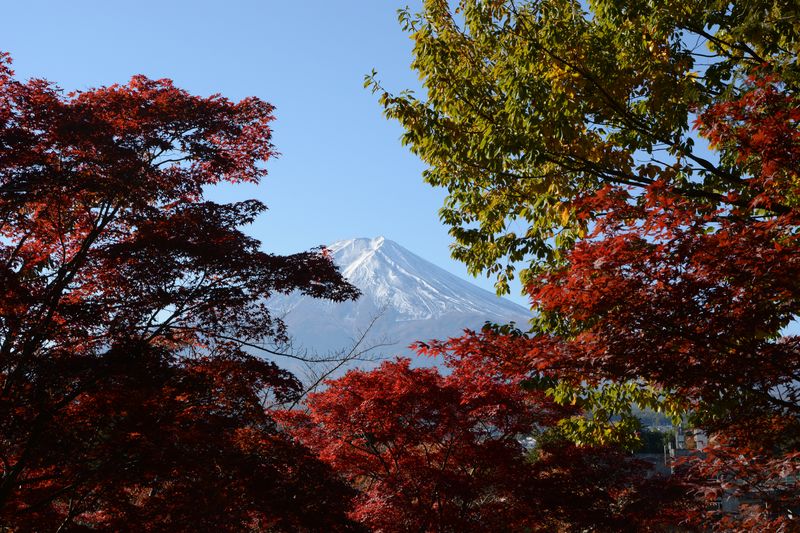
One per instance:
[(342, 172)]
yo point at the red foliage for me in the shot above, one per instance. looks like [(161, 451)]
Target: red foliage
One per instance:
[(693, 296), (426, 453), (126, 401), (592, 488), (432, 452)]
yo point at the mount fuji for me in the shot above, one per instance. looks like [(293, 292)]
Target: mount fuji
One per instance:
[(407, 297)]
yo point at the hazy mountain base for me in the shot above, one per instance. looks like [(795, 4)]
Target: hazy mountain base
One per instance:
[(404, 299)]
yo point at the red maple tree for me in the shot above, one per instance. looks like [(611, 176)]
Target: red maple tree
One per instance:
[(426, 453), (433, 452), (126, 398), (693, 297)]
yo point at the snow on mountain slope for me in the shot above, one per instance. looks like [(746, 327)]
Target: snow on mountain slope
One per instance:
[(412, 298)]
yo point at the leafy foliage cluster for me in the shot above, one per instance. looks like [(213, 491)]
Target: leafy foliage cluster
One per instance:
[(433, 452), (126, 399), (639, 160)]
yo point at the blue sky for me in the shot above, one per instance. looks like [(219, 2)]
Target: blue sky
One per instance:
[(342, 172)]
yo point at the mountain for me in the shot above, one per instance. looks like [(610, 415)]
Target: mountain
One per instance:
[(412, 299)]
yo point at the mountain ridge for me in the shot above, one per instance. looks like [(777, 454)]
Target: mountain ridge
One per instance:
[(412, 298)]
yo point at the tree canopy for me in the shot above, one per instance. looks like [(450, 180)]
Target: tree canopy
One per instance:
[(433, 452), (635, 163), (639, 161), (531, 105), (127, 400)]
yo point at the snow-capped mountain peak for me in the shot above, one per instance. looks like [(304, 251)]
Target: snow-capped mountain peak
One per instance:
[(413, 298), (415, 288)]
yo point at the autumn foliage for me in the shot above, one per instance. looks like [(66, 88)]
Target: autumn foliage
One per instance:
[(636, 163), (433, 452), (426, 453), (649, 187), (709, 289), (126, 399)]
